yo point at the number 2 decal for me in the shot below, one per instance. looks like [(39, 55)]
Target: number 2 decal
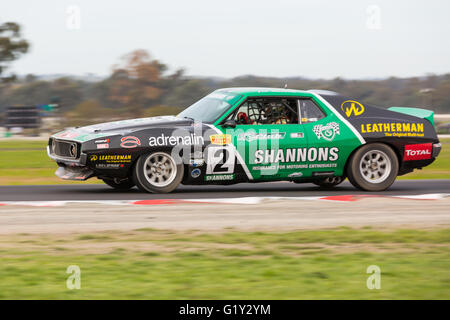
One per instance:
[(220, 160)]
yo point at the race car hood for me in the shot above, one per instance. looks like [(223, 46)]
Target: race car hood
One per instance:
[(82, 134)]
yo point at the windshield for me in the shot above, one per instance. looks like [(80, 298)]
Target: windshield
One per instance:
[(210, 108)]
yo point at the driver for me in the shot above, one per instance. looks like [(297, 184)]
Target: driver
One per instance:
[(275, 114)]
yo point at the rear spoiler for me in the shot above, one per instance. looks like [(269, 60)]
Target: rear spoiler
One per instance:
[(416, 112)]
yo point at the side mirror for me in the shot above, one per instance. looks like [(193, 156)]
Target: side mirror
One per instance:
[(229, 124)]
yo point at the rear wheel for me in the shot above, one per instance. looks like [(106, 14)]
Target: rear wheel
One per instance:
[(158, 173), (373, 167), (120, 184), (329, 182)]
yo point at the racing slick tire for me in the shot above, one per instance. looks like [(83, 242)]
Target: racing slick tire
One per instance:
[(157, 172), (124, 184), (373, 167), (329, 182)]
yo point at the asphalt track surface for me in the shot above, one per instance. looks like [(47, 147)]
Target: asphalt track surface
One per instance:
[(283, 189)]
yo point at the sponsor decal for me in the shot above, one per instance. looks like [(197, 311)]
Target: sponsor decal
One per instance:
[(295, 175), (103, 146), (220, 139), (394, 129), (276, 167), (328, 131), (109, 165), (195, 173), (111, 158), (196, 159), (297, 155), (68, 135), (102, 141), (219, 177), (164, 140), (252, 136), (297, 135), (130, 142), (221, 160), (352, 107), (322, 165), (197, 162), (418, 151)]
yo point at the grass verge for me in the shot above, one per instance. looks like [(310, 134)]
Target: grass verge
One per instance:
[(152, 264)]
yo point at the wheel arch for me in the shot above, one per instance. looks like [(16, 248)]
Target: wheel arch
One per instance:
[(391, 145)]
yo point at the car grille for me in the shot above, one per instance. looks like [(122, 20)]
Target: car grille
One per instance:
[(65, 149)]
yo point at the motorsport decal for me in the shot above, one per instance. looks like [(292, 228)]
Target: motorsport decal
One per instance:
[(102, 141), (116, 158), (252, 136), (352, 107), (394, 129), (67, 134), (297, 155), (221, 160), (297, 135), (220, 139), (328, 132), (102, 144), (418, 151), (295, 175), (130, 142), (164, 140), (196, 159), (219, 177), (195, 173), (109, 165), (79, 136)]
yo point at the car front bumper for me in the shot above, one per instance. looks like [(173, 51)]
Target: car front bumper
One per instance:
[(72, 169)]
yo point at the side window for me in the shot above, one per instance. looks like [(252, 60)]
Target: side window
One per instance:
[(266, 111), (310, 112)]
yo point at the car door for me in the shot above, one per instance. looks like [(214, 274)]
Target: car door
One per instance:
[(328, 139), (269, 138)]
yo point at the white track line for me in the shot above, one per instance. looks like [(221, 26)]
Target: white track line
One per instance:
[(242, 200)]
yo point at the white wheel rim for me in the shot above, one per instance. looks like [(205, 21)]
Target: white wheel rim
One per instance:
[(160, 169), (375, 166)]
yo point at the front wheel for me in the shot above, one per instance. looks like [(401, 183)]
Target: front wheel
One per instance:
[(157, 173), (373, 167)]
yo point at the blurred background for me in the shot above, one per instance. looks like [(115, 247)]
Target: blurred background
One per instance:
[(68, 63), (78, 62)]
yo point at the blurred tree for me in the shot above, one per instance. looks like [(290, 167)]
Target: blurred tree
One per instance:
[(137, 83), (187, 92), (12, 46), (89, 111), (68, 92), (162, 111)]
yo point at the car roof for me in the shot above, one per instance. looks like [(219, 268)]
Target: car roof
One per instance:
[(251, 91)]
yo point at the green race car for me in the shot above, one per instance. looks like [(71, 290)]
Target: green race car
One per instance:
[(252, 135)]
